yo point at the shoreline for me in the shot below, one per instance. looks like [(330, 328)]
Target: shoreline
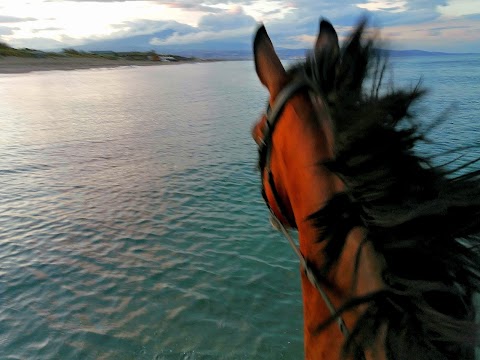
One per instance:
[(20, 65)]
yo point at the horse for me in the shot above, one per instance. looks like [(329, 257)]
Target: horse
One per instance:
[(388, 242)]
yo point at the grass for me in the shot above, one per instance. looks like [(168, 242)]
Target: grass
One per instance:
[(6, 50)]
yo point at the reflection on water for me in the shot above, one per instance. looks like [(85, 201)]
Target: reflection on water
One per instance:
[(130, 211), (131, 220)]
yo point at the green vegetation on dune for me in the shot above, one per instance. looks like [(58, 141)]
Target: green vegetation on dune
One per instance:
[(6, 50)]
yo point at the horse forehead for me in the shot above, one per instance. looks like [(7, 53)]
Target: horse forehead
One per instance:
[(307, 110), (309, 126)]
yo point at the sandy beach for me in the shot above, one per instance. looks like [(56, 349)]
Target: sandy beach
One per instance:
[(19, 65)]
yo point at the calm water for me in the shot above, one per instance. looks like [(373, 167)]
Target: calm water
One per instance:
[(130, 216)]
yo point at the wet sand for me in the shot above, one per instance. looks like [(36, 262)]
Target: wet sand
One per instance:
[(18, 65)]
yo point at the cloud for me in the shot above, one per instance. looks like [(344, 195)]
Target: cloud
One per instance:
[(103, 1), (38, 43), (226, 26), (165, 2), (299, 27), (14, 19), (456, 8), (444, 34), (392, 6), (241, 34), (184, 4), (145, 27), (232, 19), (406, 24), (347, 12), (473, 16), (192, 6), (448, 28), (388, 13), (207, 6), (5, 30), (290, 23), (46, 29)]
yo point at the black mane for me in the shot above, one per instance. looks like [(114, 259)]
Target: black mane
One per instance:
[(423, 219)]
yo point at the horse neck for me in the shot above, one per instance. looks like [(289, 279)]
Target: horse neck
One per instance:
[(308, 187), (345, 280)]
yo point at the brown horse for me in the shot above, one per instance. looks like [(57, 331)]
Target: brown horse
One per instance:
[(388, 242)]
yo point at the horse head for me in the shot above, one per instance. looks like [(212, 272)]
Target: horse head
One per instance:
[(337, 164), (292, 108)]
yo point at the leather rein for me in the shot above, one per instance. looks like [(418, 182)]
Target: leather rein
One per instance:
[(265, 149)]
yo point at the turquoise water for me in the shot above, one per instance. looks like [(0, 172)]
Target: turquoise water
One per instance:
[(131, 221)]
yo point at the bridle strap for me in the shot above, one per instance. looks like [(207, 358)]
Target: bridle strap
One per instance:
[(310, 275), (278, 200), (273, 115)]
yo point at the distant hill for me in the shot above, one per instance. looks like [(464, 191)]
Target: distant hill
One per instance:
[(140, 47), (210, 49), (290, 54), (222, 51), (398, 53)]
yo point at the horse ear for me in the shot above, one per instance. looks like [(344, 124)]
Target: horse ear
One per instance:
[(326, 55), (355, 58), (327, 37), (269, 69)]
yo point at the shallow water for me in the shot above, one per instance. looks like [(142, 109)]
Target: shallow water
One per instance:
[(131, 221)]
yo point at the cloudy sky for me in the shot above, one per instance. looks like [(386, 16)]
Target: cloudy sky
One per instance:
[(437, 25)]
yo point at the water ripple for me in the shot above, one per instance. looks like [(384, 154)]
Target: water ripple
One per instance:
[(132, 224)]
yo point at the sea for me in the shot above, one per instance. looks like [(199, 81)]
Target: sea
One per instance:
[(131, 220)]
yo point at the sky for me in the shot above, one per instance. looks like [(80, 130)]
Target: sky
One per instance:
[(434, 25)]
